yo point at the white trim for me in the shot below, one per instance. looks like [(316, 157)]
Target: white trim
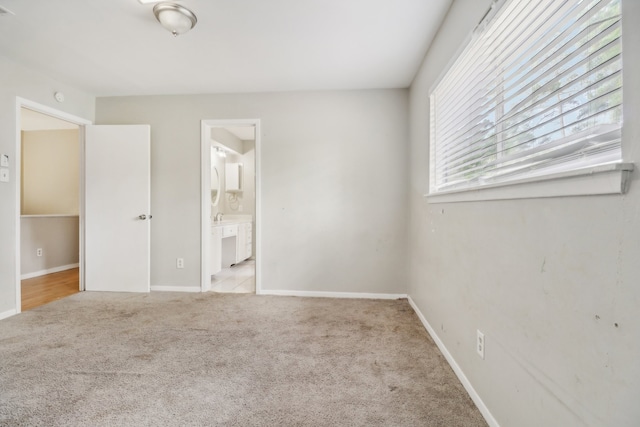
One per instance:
[(613, 178), (51, 216), (81, 222), (205, 204), (49, 271), (322, 294), (205, 208), (176, 288), (41, 108), (8, 313), (44, 109), (258, 204), (456, 368), (18, 205)]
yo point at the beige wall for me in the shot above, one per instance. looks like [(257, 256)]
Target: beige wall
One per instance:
[(32, 85), (546, 280), (334, 184), (50, 171)]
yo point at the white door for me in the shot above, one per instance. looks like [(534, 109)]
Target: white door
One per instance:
[(117, 208)]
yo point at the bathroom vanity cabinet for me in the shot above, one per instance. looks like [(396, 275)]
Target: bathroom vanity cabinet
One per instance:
[(243, 248), (216, 250), (231, 243)]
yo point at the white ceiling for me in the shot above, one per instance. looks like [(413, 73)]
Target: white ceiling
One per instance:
[(116, 47)]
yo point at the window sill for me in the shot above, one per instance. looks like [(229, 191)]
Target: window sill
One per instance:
[(605, 179)]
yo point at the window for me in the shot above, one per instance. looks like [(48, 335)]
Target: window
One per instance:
[(537, 92)]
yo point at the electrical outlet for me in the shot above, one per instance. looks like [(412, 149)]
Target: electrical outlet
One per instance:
[(179, 262), (480, 344), (39, 252), (4, 174)]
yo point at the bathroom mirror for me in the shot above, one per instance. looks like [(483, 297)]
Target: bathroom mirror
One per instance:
[(215, 186)]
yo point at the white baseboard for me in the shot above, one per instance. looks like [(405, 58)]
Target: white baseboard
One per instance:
[(330, 294), (49, 271), (176, 288), (456, 368), (8, 313)]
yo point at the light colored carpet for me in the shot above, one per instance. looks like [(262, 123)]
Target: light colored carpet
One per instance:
[(100, 359)]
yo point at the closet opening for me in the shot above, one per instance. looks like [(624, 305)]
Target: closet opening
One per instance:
[(49, 214)]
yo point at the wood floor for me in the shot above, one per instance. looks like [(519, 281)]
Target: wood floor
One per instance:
[(51, 287)]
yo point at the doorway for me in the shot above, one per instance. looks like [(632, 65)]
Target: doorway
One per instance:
[(48, 205), (230, 206)]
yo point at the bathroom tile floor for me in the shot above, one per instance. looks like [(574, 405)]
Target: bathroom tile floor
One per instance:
[(238, 279)]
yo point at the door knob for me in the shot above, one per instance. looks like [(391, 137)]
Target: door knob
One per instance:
[(142, 217)]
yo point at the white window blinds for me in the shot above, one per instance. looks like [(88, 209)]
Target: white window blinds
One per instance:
[(537, 91)]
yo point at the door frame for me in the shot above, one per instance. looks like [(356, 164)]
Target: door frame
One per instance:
[(205, 197), (81, 122)]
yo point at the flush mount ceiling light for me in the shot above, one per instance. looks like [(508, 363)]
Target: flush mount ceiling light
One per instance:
[(174, 17)]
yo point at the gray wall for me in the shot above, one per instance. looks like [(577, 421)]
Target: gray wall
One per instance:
[(546, 280), (57, 236), (334, 184), (19, 81)]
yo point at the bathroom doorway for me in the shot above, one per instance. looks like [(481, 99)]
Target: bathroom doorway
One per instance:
[(230, 206)]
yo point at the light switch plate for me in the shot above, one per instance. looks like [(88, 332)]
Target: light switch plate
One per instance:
[(4, 175), (4, 160)]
